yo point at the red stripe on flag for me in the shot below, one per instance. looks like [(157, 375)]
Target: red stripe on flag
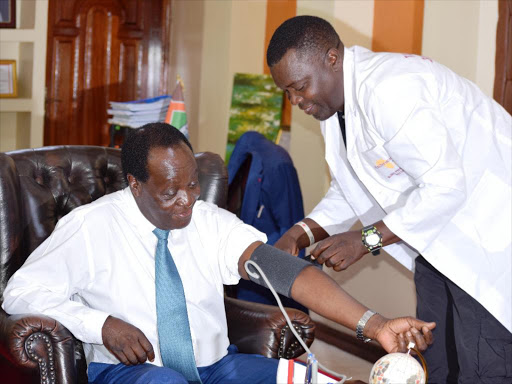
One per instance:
[(177, 105)]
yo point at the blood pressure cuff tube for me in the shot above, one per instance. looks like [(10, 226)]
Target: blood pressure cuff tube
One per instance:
[(280, 268)]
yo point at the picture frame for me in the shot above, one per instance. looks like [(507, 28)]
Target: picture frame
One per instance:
[(7, 13), (8, 79)]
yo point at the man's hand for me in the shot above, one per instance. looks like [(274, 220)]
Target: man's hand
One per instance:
[(340, 251), (394, 335), (288, 244), (126, 342)]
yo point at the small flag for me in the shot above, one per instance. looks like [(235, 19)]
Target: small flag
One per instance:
[(176, 114)]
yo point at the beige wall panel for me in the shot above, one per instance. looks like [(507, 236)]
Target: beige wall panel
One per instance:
[(233, 36), (462, 35), (486, 53), (247, 36), (354, 22), (8, 126), (186, 57), (214, 98)]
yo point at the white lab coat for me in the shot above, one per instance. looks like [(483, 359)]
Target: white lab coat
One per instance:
[(429, 154)]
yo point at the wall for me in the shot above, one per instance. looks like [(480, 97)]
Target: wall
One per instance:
[(461, 35)]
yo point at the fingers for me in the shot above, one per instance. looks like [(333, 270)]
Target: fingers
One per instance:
[(130, 356), (148, 348), (419, 340), (318, 250), (402, 344), (427, 333), (121, 357)]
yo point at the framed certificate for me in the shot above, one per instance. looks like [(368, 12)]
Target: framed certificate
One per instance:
[(7, 13), (8, 79)]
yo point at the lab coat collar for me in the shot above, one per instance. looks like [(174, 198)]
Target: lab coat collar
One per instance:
[(348, 93)]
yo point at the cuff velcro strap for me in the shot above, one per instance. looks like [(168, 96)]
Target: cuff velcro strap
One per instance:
[(280, 267)]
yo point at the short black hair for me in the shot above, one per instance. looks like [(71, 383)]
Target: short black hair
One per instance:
[(138, 143), (307, 34)]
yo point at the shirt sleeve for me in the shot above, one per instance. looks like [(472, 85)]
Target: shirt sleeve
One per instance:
[(333, 213), (234, 237), (408, 116), (55, 274)]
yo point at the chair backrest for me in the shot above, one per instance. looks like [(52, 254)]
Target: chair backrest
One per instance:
[(39, 186)]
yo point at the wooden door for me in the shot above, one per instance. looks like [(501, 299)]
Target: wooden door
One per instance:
[(503, 74), (100, 51)]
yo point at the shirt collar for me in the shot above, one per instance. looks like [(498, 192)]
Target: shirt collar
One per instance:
[(136, 217)]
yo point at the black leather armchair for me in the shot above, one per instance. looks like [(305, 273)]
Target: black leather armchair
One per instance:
[(37, 188)]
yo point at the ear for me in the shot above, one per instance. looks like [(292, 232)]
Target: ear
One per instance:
[(135, 185), (335, 59)]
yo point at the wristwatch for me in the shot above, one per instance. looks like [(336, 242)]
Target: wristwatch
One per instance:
[(372, 239), (362, 323)]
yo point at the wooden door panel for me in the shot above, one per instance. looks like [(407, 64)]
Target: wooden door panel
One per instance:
[(130, 58), (116, 51), (503, 72), (61, 98)]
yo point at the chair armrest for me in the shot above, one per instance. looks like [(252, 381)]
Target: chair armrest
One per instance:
[(34, 342), (262, 329)]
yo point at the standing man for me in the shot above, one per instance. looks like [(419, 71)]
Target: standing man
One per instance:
[(423, 159)]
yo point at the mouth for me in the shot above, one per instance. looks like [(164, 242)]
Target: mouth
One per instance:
[(185, 214), (309, 109)]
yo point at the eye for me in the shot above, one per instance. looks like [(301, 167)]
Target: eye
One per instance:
[(193, 184), (169, 195), (301, 88)]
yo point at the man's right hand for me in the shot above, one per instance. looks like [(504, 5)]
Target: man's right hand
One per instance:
[(126, 342)]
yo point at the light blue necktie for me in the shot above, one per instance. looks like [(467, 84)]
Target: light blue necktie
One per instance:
[(171, 312)]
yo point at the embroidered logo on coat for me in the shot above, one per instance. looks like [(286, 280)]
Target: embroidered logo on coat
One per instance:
[(385, 163), (389, 164)]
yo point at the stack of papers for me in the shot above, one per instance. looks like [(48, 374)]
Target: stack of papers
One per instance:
[(135, 114)]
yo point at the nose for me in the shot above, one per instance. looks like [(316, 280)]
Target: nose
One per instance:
[(185, 198), (294, 98)]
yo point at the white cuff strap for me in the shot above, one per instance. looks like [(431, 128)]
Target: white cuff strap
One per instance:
[(306, 228)]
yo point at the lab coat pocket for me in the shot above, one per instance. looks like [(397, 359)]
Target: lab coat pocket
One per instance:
[(385, 171), (488, 213)]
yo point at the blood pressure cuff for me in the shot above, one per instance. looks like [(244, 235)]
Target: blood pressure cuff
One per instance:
[(280, 268)]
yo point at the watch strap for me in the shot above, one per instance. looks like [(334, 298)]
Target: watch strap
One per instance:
[(361, 324)]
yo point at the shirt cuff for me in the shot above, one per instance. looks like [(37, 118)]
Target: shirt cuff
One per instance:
[(92, 327)]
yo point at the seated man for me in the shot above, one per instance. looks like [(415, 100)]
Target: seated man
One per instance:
[(138, 275)]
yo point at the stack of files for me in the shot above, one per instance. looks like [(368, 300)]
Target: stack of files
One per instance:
[(135, 114)]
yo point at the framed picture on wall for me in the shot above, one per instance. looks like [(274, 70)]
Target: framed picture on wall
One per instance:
[(8, 80), (7, 13)]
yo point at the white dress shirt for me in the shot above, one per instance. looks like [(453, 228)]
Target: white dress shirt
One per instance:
[(99, 261)]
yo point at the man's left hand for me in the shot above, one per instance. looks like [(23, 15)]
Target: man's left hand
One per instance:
[(340, 251)]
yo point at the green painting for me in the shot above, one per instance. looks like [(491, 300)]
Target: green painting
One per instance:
[(256, 105)]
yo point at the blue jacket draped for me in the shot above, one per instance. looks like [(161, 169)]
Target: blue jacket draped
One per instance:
[(272, 202)]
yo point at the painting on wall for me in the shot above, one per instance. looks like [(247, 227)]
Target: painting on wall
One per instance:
[(256, 105), (7, 13)]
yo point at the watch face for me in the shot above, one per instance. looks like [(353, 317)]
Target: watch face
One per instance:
[(372, 239)]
